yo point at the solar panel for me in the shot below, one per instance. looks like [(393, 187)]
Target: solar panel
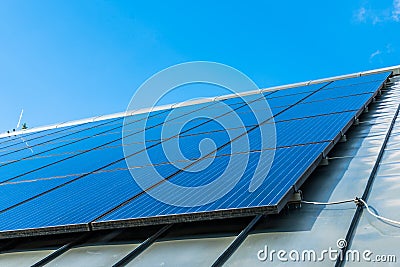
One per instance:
[(263, 199), (76, 176)]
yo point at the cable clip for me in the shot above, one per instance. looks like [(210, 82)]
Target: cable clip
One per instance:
[(358, 202)]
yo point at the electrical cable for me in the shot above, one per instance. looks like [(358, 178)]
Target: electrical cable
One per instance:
[(357, 201), (328, 203)]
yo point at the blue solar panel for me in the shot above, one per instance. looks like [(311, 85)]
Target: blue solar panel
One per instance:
[(78, 175), (297, 90), (75, 141), (75, 203), (12, 140), (283, 172), (360, 80), (304, 131), (327, 106), (345, 91), (26, 190)]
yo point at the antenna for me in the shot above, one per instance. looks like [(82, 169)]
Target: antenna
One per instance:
[(23, 128), (19, 120)]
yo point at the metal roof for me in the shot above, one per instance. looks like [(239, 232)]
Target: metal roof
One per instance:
[(316, 227), (394, 69)]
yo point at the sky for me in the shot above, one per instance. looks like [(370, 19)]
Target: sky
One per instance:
[(66, 60)]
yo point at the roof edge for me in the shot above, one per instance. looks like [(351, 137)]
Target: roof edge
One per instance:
[(395, 69)]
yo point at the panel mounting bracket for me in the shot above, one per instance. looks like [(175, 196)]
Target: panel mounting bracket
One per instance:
[(295, 200), (324, 161), (343, 138)]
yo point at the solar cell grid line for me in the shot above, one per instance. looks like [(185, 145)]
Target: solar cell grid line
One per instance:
[(302, 127), (250, 200), (48, 134), (123, 167), (56, 216), (351, 103), (73, 139), (284, 100), (47, 150), (72, 156), (57, 187), (362, 79), (241, 100), (355, 86), (139, 210), (279, 194), (36, 133), (323, 98), (60, 175), (26, 190), (230, 199), (97, 124), (335, 93), (243, 114), (195, 162), (266, 197), (210, 130), (16, 161), (76, 129), (36, 154), (207, 121), (33, 188), (18, 140), (105, 195), (57, 138), (256, 126), (78, 151), (337, 83), (238, 104), (14, 138), (87, 138), (308, 130), (296, 90)]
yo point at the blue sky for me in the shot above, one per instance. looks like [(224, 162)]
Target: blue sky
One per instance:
[(65, 60)]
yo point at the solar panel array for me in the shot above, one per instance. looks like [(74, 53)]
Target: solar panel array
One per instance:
[(76, 178)]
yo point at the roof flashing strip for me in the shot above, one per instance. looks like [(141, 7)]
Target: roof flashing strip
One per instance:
[(394, 69)]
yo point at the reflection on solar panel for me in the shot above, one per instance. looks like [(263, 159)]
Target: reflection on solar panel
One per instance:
[(75, 178)]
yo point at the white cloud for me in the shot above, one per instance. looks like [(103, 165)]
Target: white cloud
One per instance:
[(360, 15), (376, 16), (376, 53), (396, 10), (381, 54), (389, 49)]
